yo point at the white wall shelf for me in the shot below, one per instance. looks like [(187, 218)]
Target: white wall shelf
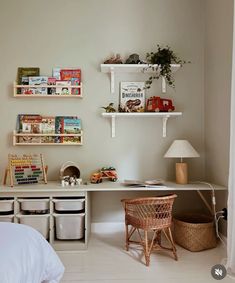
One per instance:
[(18, 95), (133, 68), (16, 137), (164, 115)]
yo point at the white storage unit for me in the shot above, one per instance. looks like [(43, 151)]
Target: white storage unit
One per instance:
[(7, 218), (6, 205), (74, 204), (38, 222), (69, 226), (34, 205)]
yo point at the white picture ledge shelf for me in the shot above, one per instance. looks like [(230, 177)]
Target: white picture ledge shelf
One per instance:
[(17, 95), (16, 136), (133, 68), (164, 115)]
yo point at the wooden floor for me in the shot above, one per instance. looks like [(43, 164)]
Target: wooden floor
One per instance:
[(106, 261)]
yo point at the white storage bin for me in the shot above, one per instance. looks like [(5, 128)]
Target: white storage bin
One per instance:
[(38, 222), (69, 226), (6, 205), (7, 218), (69, 204), (34, 205)]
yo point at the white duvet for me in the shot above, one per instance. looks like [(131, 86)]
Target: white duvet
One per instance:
[(26, 257)]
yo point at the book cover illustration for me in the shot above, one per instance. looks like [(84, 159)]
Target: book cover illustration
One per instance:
[(25, 81), (56, 73), (73, 75), (48, 125), (132, 97), (62, 87), (39, 80), (67, 125), (27, 72), (31, 124), (51, 90)]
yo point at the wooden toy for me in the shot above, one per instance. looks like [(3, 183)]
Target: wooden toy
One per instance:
[(104, 173), (158, 104), (26, 169)]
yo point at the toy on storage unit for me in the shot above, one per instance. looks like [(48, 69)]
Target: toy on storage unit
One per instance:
[(26, 169), (70, 174), (158, 104), (104, 173)]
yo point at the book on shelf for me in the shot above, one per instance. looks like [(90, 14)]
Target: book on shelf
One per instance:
[(147, 183), (67, 125), (48, 125), (29, 123), (50, 82), (62, 87), (39, 80), (132, 97), (27, 72), (73, 75), (28, 139)]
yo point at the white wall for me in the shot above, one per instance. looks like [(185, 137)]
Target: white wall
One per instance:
[(218, 68), (82, 33)]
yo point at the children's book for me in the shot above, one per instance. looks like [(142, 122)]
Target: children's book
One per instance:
[(27, 72), (31, 124), (51, 81), (48, 125), (132, 97), (62, 87), (39, 80), (73, 75)]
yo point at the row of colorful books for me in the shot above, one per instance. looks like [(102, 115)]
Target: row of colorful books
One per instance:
[(61, 78), (37, 124)]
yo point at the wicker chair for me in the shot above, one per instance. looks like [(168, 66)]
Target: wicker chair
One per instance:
[(153, 215)]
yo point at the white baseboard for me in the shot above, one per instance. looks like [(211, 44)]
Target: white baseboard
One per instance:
[(107, 227)]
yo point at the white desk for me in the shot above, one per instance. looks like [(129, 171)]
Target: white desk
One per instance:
[(54, 189)]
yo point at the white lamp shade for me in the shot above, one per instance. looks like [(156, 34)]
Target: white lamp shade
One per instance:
[(181, 149)]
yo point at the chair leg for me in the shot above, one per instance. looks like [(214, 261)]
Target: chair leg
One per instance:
[(127, 238), (146, 248), (173, 244)]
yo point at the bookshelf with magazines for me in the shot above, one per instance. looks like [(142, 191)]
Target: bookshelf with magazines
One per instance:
[(63, 83), (34, 129)]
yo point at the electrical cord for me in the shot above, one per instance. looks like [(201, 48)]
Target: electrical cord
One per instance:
[(214, 210)]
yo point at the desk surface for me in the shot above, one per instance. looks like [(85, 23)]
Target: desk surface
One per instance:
[(108, 186)]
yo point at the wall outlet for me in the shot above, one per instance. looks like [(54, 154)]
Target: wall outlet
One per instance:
[(225, 213)]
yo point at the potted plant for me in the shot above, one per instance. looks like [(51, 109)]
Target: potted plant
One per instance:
[(163, 58)]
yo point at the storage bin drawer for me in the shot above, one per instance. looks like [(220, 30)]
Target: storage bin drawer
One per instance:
[(6, 205), (38, 222), (7, 218), (69, 204), (34, 205), (69, 226)]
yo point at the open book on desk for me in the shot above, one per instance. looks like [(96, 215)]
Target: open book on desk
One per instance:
[(148, 184)]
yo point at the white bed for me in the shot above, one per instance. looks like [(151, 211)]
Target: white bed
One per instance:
[(26, 257)]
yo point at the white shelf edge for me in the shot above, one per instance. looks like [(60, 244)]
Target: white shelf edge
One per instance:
[(133, 68), (164, 115)]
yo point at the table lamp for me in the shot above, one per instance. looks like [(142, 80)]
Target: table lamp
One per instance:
[(181, 149)]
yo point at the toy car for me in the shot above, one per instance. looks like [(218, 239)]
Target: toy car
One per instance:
[(104, 173), (158, 104)]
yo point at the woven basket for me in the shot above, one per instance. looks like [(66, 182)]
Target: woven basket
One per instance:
[(70, 169), (194, 232)]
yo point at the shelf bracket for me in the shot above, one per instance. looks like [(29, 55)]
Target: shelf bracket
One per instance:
[(164, 124), (113, 126), (112, 79), (163, 84)]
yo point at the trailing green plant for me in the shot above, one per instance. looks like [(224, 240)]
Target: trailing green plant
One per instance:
[(163, 58)]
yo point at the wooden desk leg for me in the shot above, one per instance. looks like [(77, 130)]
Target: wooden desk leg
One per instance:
[(205, 201)]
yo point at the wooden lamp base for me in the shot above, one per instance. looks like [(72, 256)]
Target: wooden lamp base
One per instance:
[(181, 173)]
